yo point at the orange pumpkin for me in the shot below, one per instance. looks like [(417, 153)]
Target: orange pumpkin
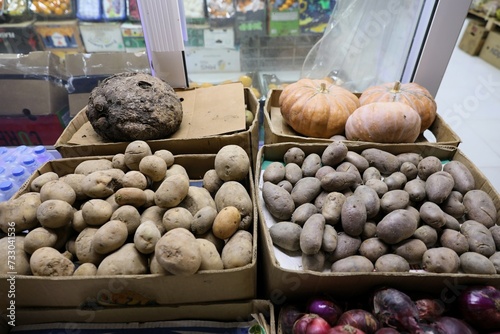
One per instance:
[(384, 122), (412, 94), (317, 108)]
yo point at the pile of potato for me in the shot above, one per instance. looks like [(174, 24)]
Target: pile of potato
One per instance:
[(344, 211), (132, 214)]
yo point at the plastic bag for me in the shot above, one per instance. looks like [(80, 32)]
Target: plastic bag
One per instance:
[(365, 43)]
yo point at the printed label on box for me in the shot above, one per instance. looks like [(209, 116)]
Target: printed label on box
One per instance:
[(212, 60), (133, 36), (284, 23), (19, 39), (219, 38), (102, 37), (59, 37), (491, 49)]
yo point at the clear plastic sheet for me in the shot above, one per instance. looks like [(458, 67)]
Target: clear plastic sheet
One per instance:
[(365, 43)]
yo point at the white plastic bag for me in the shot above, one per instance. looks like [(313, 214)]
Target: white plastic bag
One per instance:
[(365, 43)]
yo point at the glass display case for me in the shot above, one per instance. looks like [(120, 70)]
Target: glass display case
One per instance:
[(274, 42)]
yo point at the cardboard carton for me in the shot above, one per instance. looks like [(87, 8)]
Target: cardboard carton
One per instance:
[(19, 38), (84, 71), (491, 49), (32, 130), (250, 20), (133, 37), (149, 289), (283, 18), (102, 37), (219, 315), (35, 84), (215, 60), (213, 117), (277, 131), (285, 280), (60, 36), (473, 38)]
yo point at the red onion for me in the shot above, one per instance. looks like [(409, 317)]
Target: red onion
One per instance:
[(429, 309), (396, 309), (288, 315), (325, 308), (345, 329), (311, 324), (361, 319), (429, 329), (452, 325), (480, 306), (387, 330)]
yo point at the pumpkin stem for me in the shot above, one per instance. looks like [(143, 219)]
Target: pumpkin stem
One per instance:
[(396, 88), (322, 88)]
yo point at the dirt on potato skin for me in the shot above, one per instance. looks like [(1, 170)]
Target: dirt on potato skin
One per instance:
[(134, 106)]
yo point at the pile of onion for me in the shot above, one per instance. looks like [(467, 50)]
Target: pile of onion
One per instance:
[(391, 311), (480, 306)]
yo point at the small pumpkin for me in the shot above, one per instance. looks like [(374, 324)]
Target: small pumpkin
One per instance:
[(413, 94), (384, 122), (316, 107)]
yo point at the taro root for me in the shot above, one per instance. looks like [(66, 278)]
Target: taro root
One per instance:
[(134, 106)]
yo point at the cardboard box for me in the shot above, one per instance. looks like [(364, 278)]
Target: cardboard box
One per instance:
[(148, 289), (473, 37), (84, 71), (213, 60), (32, 130), (219, 38), (19, 38), (284, 19), (250, 20), (200, 131), (315, 15), (195, 12), (60, 36), (102, 37), (285, 280), (230, 315), (491, 49), (133, 37), (277, 131), (35, 84), (195, 35)]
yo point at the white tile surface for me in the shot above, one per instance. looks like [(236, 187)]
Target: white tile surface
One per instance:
[(469, 101)]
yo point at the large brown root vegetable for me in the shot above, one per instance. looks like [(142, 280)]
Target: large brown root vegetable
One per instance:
[(134, 106)]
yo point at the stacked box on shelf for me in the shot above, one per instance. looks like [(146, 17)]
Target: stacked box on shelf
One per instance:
[(213, 117), (205, 286), (60, 37), (133, 37), (283, 18), (102, 36), (284, 278), (277, 131), (19, 38), (490, 51), (473, 37), (35, 107), (250, 19)]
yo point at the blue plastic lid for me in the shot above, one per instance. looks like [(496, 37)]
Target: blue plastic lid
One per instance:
[(39, 149), (18, 171), (6, 185), (21, 148), (10, 158), (28, 161)]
